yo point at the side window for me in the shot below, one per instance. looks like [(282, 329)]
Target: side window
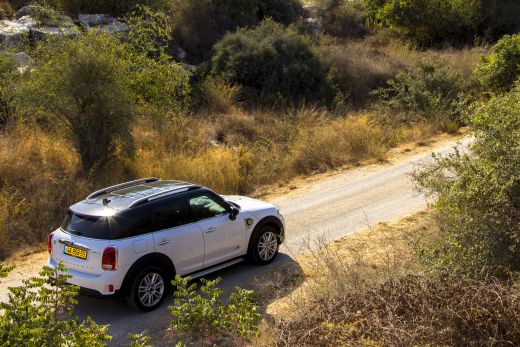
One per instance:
[(171, 215), (205, 206), (135, 225)]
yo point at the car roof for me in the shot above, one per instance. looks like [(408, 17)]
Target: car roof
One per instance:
[(108, 201)]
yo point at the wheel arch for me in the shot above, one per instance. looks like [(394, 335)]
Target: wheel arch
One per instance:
[(271, 221), (152, 259)]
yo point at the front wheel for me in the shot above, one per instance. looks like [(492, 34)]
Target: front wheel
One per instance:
[(265, 246), (147, 289)]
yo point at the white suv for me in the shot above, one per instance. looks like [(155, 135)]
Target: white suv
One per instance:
[(132, 239)]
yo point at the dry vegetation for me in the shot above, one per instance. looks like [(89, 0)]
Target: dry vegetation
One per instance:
[(367, 290)]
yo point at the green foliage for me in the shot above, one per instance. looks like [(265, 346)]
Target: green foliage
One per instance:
[(478, 193), (428, 87), (502, 68), (94, 85), (272, 61), (113, 7), (38, 316), (429, 22), (342, 18), (207, 318)]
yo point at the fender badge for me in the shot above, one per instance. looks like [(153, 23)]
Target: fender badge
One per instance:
[(249, 222)]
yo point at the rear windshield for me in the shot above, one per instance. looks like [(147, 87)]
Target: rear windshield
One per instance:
[(103, 228)]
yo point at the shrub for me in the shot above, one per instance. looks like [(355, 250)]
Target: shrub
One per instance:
[(342, 18), (359, 70), (207, 318), (272, 61), (502, 68), (478, 193), (196, 28), (38, 316), (429, 87), (429, 22)]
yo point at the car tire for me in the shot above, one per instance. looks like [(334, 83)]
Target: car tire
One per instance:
[(265, 246), (147, 290)]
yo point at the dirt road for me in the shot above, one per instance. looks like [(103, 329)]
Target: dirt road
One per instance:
[(334, 206)]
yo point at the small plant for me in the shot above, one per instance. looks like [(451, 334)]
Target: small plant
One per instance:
[(207, 318), (37, 315)]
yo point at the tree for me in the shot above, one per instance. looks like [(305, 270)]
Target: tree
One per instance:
[(95, 84), (478, 193)]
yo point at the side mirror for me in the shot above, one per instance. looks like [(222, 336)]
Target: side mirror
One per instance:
[(234, 213)]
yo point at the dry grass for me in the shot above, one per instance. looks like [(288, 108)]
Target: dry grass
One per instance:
[(232, 152), (363, 290)]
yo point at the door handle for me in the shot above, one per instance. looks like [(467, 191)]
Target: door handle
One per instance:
[(210, 230), (164, 242)]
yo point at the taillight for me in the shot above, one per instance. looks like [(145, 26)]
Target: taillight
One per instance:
[(51, 236), (109, 261)]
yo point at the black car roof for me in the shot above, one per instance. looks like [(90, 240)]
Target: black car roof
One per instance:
[(111, 200)]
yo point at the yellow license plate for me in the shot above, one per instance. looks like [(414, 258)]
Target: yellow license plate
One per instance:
[(75, 252)]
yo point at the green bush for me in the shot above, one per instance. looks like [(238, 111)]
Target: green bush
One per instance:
[(429, 22), (36, 315), (502, 68), (342, 18), (207, 318), (272, 62), (478, 194), (428, 87)]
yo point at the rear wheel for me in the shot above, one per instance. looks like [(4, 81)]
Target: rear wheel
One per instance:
[(147, 289), (265, 246)]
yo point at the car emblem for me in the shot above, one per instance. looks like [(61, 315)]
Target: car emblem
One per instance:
[(249, 222)]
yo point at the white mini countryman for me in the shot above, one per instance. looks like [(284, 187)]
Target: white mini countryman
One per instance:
[(131, 240)]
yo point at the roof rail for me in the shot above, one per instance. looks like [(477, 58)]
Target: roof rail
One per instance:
[(122, 185), (163, 194)]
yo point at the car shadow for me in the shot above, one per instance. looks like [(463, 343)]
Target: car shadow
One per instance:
[(270, 282)]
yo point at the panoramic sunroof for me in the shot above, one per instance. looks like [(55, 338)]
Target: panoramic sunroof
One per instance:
[(138, 191)]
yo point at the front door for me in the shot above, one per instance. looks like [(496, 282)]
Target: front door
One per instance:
[(223, 238)]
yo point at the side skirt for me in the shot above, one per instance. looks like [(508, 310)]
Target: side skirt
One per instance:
[(214, 269)]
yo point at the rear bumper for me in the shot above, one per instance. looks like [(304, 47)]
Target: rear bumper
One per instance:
[(96, 285)]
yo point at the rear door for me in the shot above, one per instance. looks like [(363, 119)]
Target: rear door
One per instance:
[(177, 236), (223, 238), (81, 240)]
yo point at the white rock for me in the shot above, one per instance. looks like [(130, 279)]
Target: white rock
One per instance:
[(20, 58), (181, 53), (26, 11), (13, 33), (102, 22), (39, 30), (93, 20)]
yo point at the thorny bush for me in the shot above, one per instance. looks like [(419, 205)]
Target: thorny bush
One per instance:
[(412, 311)]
